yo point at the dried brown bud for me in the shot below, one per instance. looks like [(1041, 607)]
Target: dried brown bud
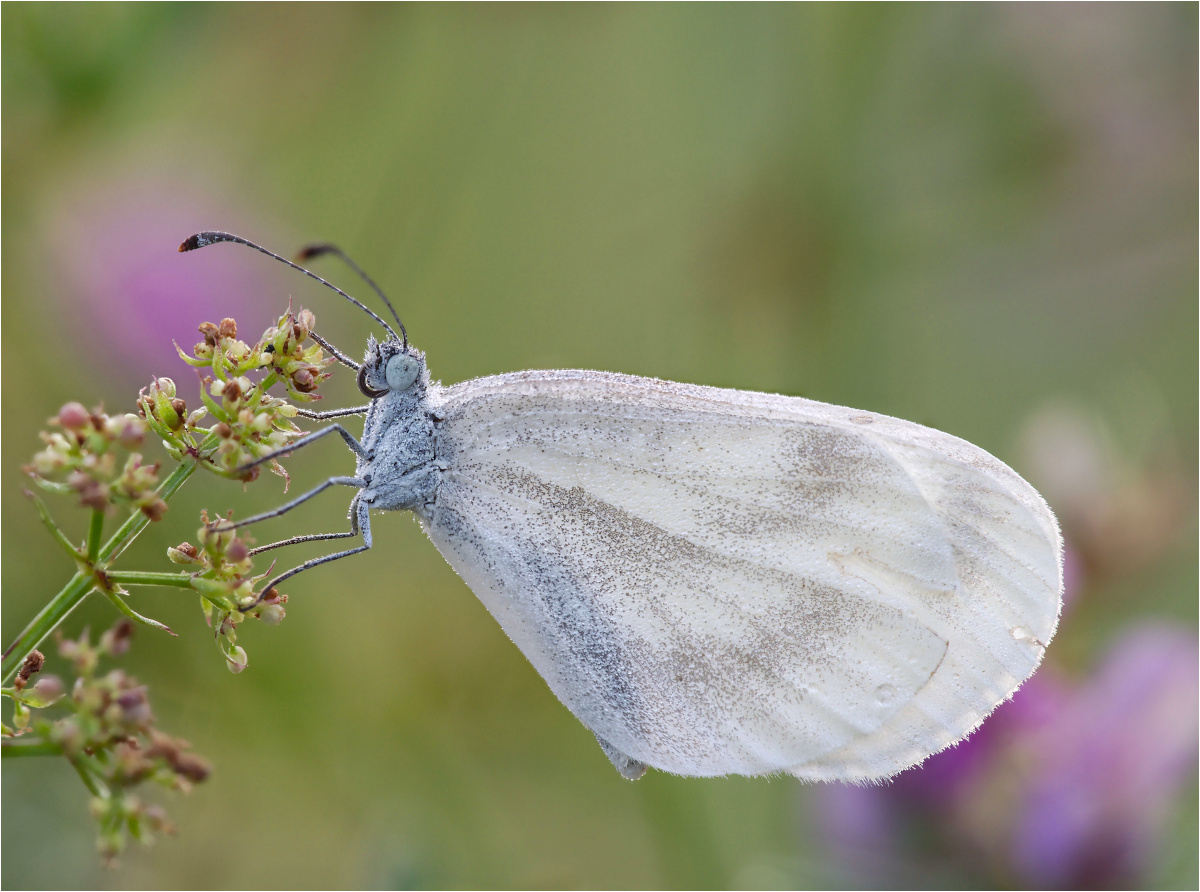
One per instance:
[(232, 392), (154, 510), (191, 766), (223, 430), (210, 333), (74, 417), (228, 328), (33, 664)]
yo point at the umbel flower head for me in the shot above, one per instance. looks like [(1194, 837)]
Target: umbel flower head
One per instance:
[(84, 456), (248, 422), (224, 577), (108, 733)]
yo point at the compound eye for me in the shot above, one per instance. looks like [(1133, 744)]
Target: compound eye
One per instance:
[(401, 371)]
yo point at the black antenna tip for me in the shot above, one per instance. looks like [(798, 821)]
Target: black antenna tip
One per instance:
[(203, 240), (310, 251)]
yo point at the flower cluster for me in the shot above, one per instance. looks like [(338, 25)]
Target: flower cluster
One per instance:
[(249, 422), (83, 457), (109, 735), (226, 584)]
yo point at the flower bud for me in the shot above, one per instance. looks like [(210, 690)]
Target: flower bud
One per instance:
[(92, 494), (236, 660), (191, 766), (272, 614), (180, 409), (231, 392), (236, 551), (128, 430), (154, 509), (74, 417), (68, 735), (223, 430), (304, 379), (32, 666), (305, 323), (135, 708), (117, 639), (210, 332), (48, 689), (227, 328), (184, 553)]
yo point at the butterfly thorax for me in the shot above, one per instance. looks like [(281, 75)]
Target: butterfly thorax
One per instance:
[(398, 437)]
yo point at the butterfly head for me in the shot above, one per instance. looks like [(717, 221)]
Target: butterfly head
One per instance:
[(391, 366)]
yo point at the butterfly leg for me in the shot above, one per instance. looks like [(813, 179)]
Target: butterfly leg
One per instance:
[(357, 482), (356, 447), (333, 413), (361, 522), (296, 540)]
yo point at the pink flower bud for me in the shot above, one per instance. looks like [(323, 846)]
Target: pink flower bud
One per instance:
[(46, 690), (236, 552), (128, 430), (305, 380), (74, 417)]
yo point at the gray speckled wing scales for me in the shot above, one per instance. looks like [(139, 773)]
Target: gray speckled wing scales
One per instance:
[(722, 582)]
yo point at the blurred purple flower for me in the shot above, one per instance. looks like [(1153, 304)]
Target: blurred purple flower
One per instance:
[(1064, 786), (1110, 764), (128, 292)]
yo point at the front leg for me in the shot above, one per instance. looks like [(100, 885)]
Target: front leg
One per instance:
[(354, 445)]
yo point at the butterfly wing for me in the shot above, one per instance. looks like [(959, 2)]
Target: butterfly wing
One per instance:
[(716, 581)]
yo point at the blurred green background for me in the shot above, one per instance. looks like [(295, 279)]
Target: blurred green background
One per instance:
[(981, 218)]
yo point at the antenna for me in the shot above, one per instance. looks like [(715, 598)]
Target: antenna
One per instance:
[(204, 239), (310, 251)]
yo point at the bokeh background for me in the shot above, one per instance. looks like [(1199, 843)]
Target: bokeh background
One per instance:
[(982, 218)]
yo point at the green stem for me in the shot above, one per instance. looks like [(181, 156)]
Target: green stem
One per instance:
[(137, 521), (59, 536), (124, 608), (44, 623), (95, 531), (94, 787), (145, 577), (73, 593), (19, 749)]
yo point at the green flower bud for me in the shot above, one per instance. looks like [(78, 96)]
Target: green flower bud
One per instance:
[(236, 659)]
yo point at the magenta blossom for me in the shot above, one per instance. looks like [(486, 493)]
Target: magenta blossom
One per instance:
[(131, 292), (1066, 786)]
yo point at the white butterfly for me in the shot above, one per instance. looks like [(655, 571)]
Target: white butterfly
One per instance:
[(716, 581)]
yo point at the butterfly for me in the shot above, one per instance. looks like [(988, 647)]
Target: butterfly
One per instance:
[(715, 581)]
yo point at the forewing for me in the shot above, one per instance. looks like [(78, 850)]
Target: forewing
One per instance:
[(721, 582)]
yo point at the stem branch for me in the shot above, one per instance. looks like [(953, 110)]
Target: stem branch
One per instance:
[(73, 593)]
